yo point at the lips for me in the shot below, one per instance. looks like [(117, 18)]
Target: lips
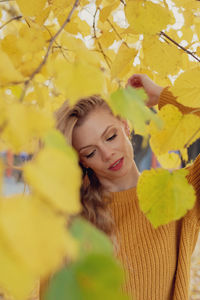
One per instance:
[(117, 164)]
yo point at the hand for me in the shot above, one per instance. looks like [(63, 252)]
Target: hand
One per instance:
[(151, 88)]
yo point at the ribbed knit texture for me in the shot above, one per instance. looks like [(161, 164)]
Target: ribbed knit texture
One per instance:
[(156, 261)]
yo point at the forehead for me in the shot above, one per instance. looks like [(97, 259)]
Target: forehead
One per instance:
[(93, 127)]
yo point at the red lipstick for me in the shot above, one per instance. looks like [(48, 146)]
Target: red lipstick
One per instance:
[(117, 165)]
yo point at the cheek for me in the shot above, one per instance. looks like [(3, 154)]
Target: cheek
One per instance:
[(122, 144), (128, 146)]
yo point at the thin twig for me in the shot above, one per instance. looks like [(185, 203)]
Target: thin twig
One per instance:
[(58, 46), (94, 20), (9, 21), (117, 33), (38, 69), (181, 47), (98, 43)]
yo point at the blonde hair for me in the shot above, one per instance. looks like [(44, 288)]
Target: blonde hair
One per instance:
[(94, 208)]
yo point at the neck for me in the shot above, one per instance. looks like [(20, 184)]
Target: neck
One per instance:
[(123, 183)]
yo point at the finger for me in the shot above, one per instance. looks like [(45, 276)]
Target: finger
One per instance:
[(135, 81)]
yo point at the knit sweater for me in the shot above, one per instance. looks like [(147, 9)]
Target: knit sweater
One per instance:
[(156, 261)]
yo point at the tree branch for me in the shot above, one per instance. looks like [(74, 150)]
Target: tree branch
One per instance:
[(38, 69), (181, 47), (12, 19)]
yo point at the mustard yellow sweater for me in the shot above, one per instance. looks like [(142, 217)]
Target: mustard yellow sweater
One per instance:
[(156, 261)]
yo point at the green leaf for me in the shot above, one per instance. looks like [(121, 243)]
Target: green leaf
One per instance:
[(129, 103), (165, 196), (90, 238), (96, 276)]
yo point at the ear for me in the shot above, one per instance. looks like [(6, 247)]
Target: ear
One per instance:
[(126, 127)]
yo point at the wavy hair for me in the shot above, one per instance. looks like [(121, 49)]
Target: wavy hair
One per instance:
[(94, 208)]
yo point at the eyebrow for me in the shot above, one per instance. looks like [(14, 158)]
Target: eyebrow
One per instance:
[(101, 136)]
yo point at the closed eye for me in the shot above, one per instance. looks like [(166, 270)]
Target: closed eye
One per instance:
[(91, 154), (112, 137)]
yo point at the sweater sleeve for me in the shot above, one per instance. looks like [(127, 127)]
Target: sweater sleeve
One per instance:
[(193, 177), (166, 97)]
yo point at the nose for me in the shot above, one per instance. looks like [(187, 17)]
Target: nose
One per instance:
[(106, 153)]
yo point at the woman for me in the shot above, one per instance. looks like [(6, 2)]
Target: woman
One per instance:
[(156, 261)]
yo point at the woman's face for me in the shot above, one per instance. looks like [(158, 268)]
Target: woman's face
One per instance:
[(102, 142)]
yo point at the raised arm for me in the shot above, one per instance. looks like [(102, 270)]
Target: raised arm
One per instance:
[(157, 94), (162, 96)]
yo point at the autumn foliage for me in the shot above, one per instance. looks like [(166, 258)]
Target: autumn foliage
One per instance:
[(53, 50)]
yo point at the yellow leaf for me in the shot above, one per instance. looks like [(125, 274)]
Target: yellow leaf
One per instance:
[(41, 18), (25, 123), (161, 57), (35, 234), (164, 196), (25, 58), (8, 73), (169, 160), (31, 8), (187, 88), (107, 38), (178, 130), (187, 34), (107, 10), (15, 279), (31, 36), (9, 45), (184, 154), (59, 5), (143, 16), (129, 37), (198, 51), (76, 25), (78, 50), (79, 80), (187, 4), (3, 111), (56, 177), (124, 58)]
